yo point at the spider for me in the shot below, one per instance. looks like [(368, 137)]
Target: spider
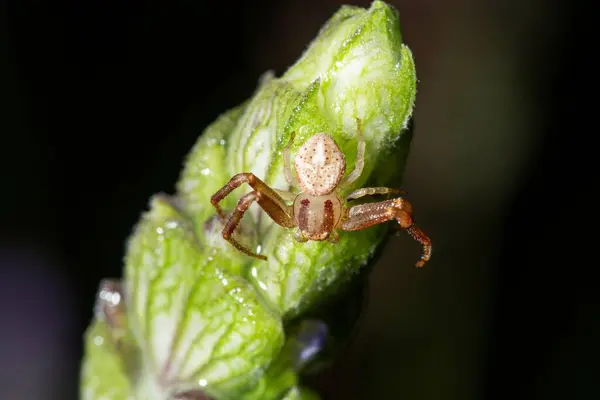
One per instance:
[(318, 211)]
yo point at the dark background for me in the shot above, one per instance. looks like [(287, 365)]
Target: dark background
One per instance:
[(100, 102)]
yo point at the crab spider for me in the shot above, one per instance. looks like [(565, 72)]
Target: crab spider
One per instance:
[(318, 211)]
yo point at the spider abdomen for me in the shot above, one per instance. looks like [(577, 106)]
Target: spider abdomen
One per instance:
[(317, 216)]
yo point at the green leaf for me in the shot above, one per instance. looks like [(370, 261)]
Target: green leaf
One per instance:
[(103, 372), (203, 172), (198, 325)]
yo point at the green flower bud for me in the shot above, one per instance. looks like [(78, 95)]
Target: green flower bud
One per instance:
[(201, 318), (356, 68)]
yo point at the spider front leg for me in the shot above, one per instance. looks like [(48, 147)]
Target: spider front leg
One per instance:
[(280, 211), (365, 215), (266, 198), (287, 164), (333, 237), (360, 158), (372, 191)]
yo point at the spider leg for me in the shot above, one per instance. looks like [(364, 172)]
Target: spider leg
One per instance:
[(285, 195), (279, 215), (372, 191), (287, 166), (333, 237), (365, 215), (360, 158), (267, 199), (277, 208)]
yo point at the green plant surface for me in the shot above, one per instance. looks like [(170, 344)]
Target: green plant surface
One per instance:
[(203, 317)]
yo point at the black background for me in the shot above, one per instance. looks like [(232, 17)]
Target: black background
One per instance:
[(101, 101)]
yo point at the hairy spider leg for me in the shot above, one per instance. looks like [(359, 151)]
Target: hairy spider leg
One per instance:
[(360, 158), (333, 237), (285, 195), (372, 191), (287, 165), (280, 213), (266, 198), (365, 215)]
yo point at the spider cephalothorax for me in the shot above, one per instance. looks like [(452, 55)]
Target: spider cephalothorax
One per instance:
[(318, 211)]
